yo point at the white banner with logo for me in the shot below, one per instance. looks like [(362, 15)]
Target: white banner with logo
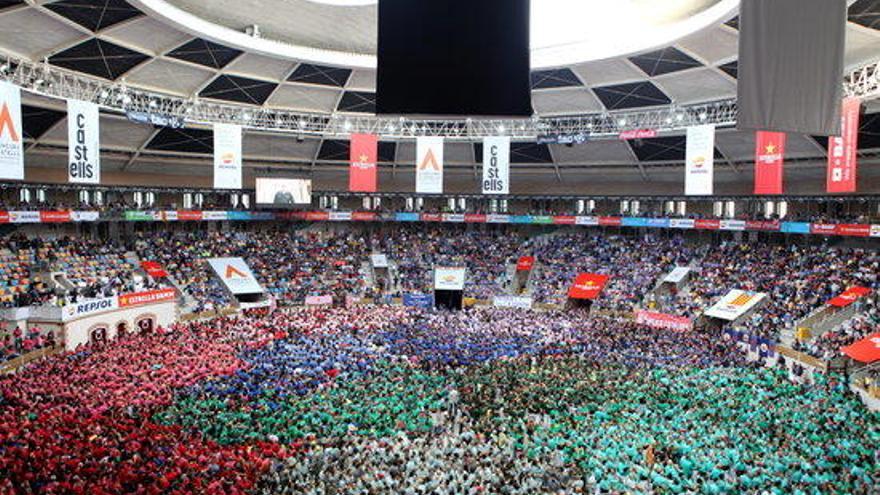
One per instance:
[(735, 304), (84, 216), (682, 223), (429, 165), (677, 275), (590, 221), (520, 302), (236, 275), (735, 225), (700, 161), (85, 308), (83, 143), (227, 156), (496, 165), (24, 217), (449, 278), (11, 133)]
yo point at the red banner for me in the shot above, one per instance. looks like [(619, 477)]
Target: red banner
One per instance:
[(431, 217), (588, 286), (769, 159), (864, 351), (851, 295), (318, 216), (707, 224), (153, 296), (54, 216), (364, 216), (4, 217), (184, 215), (154, 269), (854, 230), (474, 218), (363, 158), (637, 134), (610, 221), (662, 320), (842, 150), (764, 225), (823, 228), (564, 220), (525, 264)]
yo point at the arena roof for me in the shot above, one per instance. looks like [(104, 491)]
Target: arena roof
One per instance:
[(116, 41)]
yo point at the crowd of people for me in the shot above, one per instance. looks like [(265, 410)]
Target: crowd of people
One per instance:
[(385, 399)]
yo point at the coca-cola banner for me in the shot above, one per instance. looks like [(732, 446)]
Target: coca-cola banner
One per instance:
[(769, 159)]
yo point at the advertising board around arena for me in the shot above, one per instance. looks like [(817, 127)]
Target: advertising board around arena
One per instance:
[(763, 225), (634, 222), (406, 217), (453, 217), (149, 297), (682, 223), (214, 216), (854, 230), (735, 304), (795, 228), (610, 221), (734, 225), (677, 275), (319, 301), (84, 216), (142, 216), (24, 217), (658, 223), (90, 307), (474, 218), (4, 216), (875, 230), (449, 278), (664, 321), (431, 217), (60, 216), (495, 218), (318, 216), (587, 221), (707, 224), (542, 220), (236, 275), (425, 301), (564, 220), (519, 302), (340, 216)]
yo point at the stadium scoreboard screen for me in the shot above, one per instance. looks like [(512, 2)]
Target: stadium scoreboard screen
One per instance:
[(284, 193)]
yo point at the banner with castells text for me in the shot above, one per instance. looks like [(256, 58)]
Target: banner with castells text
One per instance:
[(11, 133), (429, 165), (83, 143), (843, 149), (227, 156), (496, 165), (769, 162), (363, 157), (700, 161)]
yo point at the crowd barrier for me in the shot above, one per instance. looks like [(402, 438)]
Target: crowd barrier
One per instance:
[(15, 364)]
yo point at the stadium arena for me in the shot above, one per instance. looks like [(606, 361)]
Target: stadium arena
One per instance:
[(483, 247)]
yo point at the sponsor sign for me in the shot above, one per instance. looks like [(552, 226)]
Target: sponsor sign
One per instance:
[(659, 223), (564, 220), (150, 297), (319, 301), (142, 216), (542, 220), (227, 156), (432, 217), (54, 216), (425, 301), (379, 260), (453, 217), (156, 119), (239, 215), (588, 286), (707, 224), (84, 216), (700, 161), (496, 165), (854, 230), (637, 134), (340, 216), (682, 223), (449, 278), (429, 165), (525, 264), (90, 307), (154, 269), (189, 215), (587, 221), (733, 225), (406, 217), (362, 174), (664, 321), (875, 230), (474, 218), (83, 143), (364, 216), (4, 217), (214, 215), (843, 150), (522, 219), (11, 133), (578, 138), (823, 228), (851, 295), (677, 275), (318, 216), (24, 217), (610, 221), (497, 218), (795, 227), (634, 222), (735, 304), (519, 302), (769, 162), (763, 225), (236, 275)]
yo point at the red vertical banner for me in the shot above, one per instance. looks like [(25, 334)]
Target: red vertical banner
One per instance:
[(769, 160), (364, 155), (842, 150)]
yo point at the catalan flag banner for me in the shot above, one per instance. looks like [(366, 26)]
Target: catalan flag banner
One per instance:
[(735, 304), (587, 286), (362, 170), (769, 159)]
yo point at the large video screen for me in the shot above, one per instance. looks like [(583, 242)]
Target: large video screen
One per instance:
[(284, 192)]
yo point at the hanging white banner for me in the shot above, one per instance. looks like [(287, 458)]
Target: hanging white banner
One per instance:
[(429, 165), (11, 133), (83, 143), (496, 165), (227, 156), (700, 161)]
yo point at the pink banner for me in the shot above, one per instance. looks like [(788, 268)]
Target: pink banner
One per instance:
[(665, 321)]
